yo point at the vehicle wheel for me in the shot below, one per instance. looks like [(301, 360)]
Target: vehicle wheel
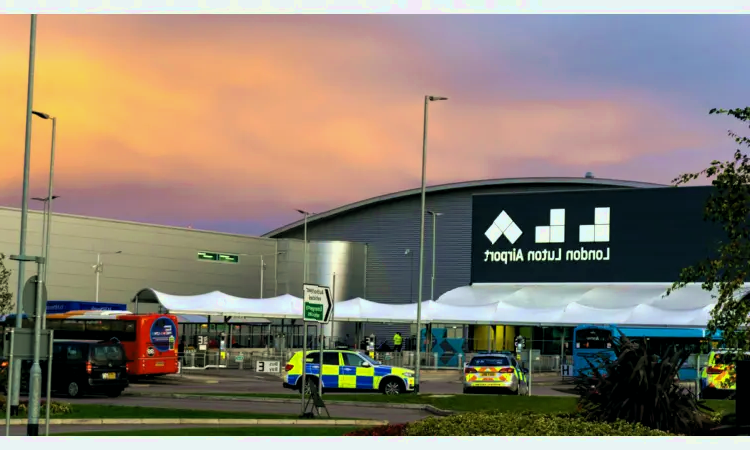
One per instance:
[(392, 386), (114, 393), (466, 390), (74, 390)]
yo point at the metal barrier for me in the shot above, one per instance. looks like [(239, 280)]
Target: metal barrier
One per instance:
[(235, 359), (247, 359)]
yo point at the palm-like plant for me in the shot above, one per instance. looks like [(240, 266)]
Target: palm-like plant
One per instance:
[(642, 387)]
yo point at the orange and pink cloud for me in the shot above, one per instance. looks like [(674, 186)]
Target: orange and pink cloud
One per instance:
[(175, 118)]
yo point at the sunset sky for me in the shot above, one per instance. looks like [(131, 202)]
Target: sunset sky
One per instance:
[(228, 123)]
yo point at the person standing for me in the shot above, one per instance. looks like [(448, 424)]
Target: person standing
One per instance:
[(397, 339)]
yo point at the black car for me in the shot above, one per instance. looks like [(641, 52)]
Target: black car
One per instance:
[(88, 367)]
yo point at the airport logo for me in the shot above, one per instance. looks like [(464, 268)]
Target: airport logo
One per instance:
[(503, 226), (553, 233)]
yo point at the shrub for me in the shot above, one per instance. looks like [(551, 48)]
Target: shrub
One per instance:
[(640, 386), (58, 409), (384, 430), (524, 424)]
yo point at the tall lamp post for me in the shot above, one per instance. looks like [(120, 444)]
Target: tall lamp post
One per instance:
[(32, 429), (427, 100), (409, 253), (45, 233), (304, 263), (46, 223), (434, 242), (304, 324), (99, 268), (48, 200), (262, 267)]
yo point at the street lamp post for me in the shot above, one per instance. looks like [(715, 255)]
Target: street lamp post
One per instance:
[(303, 387), (262, 266), (48, 200), (304, 264), (434, 241), (32, 429), (409, 253), (262, 274), (427, 100), (45, 233), (99, 268)]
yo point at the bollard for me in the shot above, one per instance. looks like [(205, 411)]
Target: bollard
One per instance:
[(435, 360), (460, 360)]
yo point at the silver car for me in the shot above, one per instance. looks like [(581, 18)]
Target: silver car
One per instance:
[(495, 371)]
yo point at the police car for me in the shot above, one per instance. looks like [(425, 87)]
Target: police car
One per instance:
[(347, 369), (720, 375), (493, 371)]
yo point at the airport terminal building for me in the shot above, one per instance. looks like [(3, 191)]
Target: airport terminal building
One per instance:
[(508, 232)]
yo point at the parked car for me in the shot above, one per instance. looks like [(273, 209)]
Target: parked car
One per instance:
[(493, 371), (89, 367)]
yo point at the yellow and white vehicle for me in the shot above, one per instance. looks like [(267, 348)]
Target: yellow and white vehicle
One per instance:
[(719, 374), (347, 369), (493, 371)]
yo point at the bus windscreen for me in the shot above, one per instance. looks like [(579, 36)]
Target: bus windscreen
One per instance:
[(593, 338)]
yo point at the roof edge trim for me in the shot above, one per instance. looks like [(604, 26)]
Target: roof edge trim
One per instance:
[(463, 185)]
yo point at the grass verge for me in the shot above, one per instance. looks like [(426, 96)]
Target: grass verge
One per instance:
[(468, 402), (141, 412), (228, 431)]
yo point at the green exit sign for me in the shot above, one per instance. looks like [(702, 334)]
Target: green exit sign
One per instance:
[(224, 257), (208, 256), (220, 257)]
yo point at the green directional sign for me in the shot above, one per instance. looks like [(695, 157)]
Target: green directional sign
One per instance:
[(219, 257), (317, 303), (314, 312), (208, 256), (225, 257)]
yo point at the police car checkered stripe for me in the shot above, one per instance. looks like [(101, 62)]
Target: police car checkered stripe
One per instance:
[(334, 381)]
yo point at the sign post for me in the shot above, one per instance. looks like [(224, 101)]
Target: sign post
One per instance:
[(317, 306)]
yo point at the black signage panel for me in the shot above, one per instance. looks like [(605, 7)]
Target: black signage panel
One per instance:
[(592, 236)]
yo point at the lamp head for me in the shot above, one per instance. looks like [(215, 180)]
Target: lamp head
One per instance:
[(44, 116), (434, 98)]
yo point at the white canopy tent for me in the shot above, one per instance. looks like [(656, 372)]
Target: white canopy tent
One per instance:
[(217, 303), (552, 304), (628, 304)]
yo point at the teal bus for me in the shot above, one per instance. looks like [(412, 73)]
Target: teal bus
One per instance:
[(594, 343)]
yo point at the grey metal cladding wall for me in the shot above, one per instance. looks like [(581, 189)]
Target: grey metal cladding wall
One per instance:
[(393, 226), (346, 259), (163, 258)]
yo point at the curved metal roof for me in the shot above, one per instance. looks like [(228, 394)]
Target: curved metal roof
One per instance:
[(603, 182)]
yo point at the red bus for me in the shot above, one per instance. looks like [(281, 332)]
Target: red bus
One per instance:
[(150, 340)]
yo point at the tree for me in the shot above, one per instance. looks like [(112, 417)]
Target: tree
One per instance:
[(6, 297), (729, 206)]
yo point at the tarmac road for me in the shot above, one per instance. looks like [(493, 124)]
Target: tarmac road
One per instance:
[(248, 382)]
